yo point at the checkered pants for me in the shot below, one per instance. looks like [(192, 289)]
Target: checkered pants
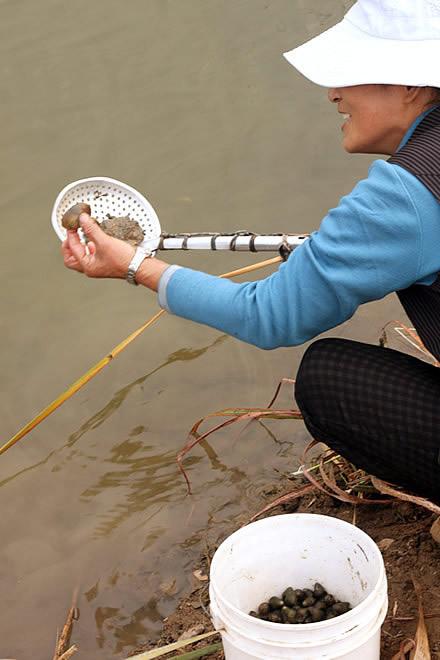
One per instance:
[(377, 407)]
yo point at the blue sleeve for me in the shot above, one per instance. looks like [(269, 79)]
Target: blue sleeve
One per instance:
[(367, 247)]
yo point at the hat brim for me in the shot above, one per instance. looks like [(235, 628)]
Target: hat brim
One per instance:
[(344, 56)]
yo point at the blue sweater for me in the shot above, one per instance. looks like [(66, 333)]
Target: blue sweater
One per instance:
[(382, 237)]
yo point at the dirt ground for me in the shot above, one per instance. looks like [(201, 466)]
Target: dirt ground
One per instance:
[(403, 533)]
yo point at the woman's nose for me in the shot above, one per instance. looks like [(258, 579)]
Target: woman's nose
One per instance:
[(334, 95)]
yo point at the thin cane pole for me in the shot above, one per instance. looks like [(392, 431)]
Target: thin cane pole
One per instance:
[(91, 373)]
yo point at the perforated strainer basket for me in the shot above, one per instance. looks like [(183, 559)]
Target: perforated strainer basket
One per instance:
[(108, 197)]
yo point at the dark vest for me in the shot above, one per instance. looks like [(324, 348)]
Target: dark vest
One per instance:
[(421, 157)]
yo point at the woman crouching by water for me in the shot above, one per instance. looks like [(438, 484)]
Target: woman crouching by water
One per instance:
[(377, 407)]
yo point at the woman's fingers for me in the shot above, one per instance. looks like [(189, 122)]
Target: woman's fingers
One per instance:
[(91, 229), (76, 247), (104, 255), (92, 248), (70, 261)]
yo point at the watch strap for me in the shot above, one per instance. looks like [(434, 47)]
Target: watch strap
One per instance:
[(138, 257)]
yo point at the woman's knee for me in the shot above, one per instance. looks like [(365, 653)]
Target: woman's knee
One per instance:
[(315, 371)]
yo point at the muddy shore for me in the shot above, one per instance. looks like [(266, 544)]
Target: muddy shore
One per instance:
[(402, 531)]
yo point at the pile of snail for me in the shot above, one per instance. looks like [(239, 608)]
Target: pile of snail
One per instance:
[(301, 606), (123, 227)]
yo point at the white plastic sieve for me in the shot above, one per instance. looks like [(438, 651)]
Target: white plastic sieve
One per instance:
[(108, 197)]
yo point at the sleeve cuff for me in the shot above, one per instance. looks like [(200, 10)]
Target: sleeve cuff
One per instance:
[(163, 284)]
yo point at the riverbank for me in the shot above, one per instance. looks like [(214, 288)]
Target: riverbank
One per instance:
[(402, 531)]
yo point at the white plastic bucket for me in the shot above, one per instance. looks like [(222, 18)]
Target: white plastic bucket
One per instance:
[(298, 550)]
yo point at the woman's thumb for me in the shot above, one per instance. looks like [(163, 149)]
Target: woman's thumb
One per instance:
[(90, 227)]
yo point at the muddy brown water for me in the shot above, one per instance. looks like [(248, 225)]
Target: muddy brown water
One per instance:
[(192, 103)]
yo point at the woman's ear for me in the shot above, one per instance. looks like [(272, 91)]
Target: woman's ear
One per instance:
[(414, 94)]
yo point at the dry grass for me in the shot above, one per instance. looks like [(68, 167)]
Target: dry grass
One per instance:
[(63, 649), (327, 472)]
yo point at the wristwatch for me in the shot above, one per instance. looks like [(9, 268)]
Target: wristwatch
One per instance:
[(138, 257)]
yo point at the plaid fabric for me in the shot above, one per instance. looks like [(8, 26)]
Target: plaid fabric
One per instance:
[(377, 407)]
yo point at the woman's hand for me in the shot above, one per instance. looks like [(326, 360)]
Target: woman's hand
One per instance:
[(106, 256)]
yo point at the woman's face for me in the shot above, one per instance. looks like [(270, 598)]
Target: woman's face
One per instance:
[(376, 117)]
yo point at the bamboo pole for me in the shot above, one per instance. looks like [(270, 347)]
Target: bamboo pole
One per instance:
[(93, 371)]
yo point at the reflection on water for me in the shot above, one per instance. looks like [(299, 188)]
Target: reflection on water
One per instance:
[(181, 355), (148, 481), (132, 628)]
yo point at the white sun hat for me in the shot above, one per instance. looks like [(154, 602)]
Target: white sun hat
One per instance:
[(393, 42)]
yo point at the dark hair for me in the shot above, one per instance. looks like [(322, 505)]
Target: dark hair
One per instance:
[(435, 96)]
